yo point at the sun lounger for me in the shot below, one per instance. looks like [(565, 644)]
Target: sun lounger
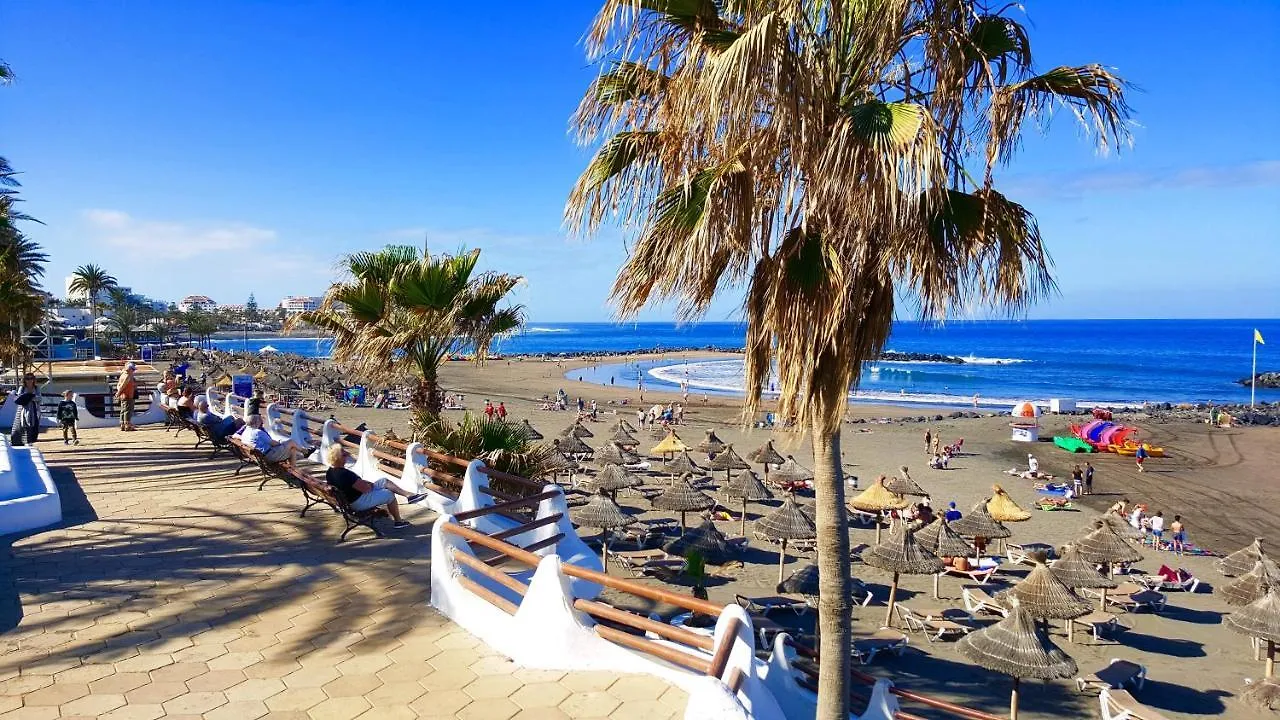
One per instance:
[(1101, 624), (933, 628), (646, 562), (1168, 579), (1023, 554), (1120, 705), (977, 600), (1132, 598), (980, 576), (884, 640), (1115, 675), (767, 604)]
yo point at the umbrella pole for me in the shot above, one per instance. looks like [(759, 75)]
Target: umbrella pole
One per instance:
[(936, 596), (682, 522), (744, 518), (604, 552), (782, 560), (1271, 658), (1013, 701), (878, 519), (893, 595)]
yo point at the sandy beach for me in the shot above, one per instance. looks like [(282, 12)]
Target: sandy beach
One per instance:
[(1216, 479)]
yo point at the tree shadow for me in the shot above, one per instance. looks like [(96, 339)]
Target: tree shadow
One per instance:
[(1177, 698), (1188, 615), (1155, 644)]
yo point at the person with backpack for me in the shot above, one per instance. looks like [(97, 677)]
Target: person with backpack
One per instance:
[(26, 418), (68, 415)]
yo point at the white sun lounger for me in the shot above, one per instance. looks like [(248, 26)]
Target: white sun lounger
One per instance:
[(978, 600), (1120, 705), (934, 629), (1115, 675)]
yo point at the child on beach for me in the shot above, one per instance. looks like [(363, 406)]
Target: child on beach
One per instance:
[(1140, 456), (68, 415), (1088, 478)]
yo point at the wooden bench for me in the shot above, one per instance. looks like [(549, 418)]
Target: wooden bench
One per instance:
[(317, 491)]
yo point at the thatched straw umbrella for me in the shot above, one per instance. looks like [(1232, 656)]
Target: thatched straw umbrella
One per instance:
[(706, 539), (626, 426), (1260, 619), (899, 554), (877, 498), (902, 484), (613, 453), (624, 438), (746, 487), (939, 539), (1043, 595), (1118, 524), (979, 525), (801, 582), (1242, 560), (791, 471), (612, 479), (530, 433), (766, 455), (1016, 647), (1003, 509), (1076, 573), (601, 512), (1248, 587), (558, 461), (683, 498), (670, 445), (577, 430), (710, 444), (682, 464), (573, 446), (786, 523), (728, 461), (1104, 547)]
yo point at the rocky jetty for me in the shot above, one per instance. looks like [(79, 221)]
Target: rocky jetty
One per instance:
[(1262, 380), (885, 357)]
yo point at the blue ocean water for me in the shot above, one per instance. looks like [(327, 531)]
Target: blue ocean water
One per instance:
[(1104, 361)]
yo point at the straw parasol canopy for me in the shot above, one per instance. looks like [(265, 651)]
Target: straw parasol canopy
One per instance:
[(572, 445), (746, 487), (1043, 595), (801, 582), (728, 461), (1104, 547), (612, 479), (979, 524), (766, 455), (683, 498), (899, 554), (904, 485), (577, 430), (1248, 587), (1242, 560), (613, 453), (558, 461), (938, 538), (626, 426), (877, 498), (791, 471), (1120, 526), (622, 437), (1003, 509), (1075, 572), (682, 464), (670, 445), (530, 433), (601, 512), (1016, 647), (1260, 619), (706, 539), (710, 444), (786, 523)]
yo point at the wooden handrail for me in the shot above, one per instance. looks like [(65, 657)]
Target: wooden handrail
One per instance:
[(497, 576), (531, 560), (439, 475), (346, 430), (544, 542), (721, 658), (511, 504), (509, 477), (285, 420), (734, 681), (640, 622), (387, 469), (347, 443), (494, 598), (644, 645), (506, 497), (531, 525), (387, 456)]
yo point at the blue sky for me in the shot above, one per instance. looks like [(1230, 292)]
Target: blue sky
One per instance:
[(223, 148)]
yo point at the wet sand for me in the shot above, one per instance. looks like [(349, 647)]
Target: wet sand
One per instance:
[(1221, 481)]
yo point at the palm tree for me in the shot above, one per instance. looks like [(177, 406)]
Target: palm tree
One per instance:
[(126, 316), (402, 309), (500, 444), (90, 280), (822, 155), (200, 324)]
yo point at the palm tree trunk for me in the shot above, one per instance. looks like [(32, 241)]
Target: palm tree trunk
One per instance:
[(93, 310), (834, 586)]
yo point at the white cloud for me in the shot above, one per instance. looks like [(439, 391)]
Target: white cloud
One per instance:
[(1262, 173), (144, 239)]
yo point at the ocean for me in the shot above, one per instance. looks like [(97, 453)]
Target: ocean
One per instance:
[(1115, 362)]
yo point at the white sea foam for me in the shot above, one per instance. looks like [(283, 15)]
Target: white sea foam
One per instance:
[(547, 330)]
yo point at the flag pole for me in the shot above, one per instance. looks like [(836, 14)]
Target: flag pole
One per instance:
[(1253, 378)]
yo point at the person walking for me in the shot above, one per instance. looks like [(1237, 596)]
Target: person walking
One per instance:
[(501, 412), (68, 415), (1077, 480), (1179, 534), (1088, 478), (1141, 457), (127, 395), (928, 442), (26, 418), (1157, 530)]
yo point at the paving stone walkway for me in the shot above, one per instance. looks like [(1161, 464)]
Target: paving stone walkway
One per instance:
[(179, 590)]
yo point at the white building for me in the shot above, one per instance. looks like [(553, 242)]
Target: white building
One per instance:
[(104, 296), (295, 304), (73, 317), (191, 302)]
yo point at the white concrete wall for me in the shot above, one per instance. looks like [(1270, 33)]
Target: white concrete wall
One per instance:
[(28, 497)]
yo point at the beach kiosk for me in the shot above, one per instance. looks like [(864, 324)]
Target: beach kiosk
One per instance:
[(1025, 425)]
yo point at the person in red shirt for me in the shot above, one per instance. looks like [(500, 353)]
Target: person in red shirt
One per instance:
[(502, 411)]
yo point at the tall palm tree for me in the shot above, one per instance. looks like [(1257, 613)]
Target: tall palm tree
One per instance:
[(91, 280), (405, 310), (833, 159), (126, 316)]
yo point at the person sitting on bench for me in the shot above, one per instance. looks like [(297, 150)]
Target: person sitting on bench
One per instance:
[(361, 494), (255, 437)]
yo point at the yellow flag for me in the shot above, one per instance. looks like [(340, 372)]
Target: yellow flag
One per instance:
[(1257, 337)]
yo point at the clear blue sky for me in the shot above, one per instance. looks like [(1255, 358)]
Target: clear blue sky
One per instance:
[(223, 148)]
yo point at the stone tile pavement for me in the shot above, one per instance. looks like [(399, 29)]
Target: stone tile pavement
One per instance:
[(179, 590)]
